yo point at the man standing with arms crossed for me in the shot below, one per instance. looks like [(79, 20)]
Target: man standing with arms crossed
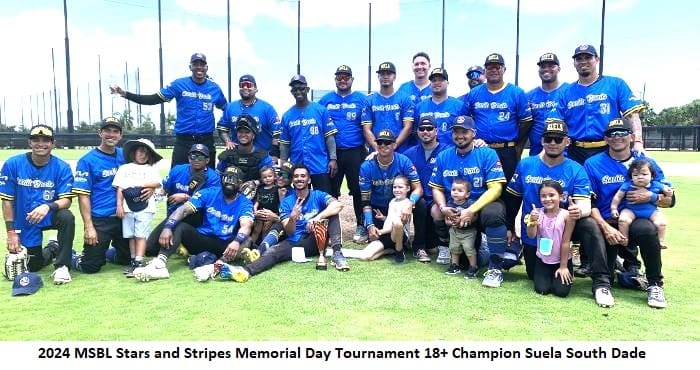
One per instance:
[(388, 110), (501, 113), (345, 108), (544, 98), (265, 116), (307, 136), (196, 97)]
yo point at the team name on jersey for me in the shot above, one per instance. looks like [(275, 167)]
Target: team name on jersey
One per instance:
[(223, 217), (596, 97), (549, 104), (385, 107), (537, 180), (341, 106), (617, 179), (109, 173), (196, 94), (33, 183), (436, 115), (182, 187), (302, 122), (382, 182), (235, 118), (465, 171), (490, 105)]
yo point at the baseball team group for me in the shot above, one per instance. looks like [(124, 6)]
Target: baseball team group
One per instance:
[(452, 168)]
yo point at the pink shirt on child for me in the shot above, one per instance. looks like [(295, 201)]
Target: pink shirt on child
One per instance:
[(552, 228)]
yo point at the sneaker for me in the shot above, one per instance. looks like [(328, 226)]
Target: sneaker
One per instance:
[(249, 255), (154, 270), (360, 236), (453, 269), (339, 261), (240, 275), (61, 275), (492, 278), (582, 271), (224, 270), (50, 251), (182, 251), (604, 298), (443, 257), (129, 270), (75, 260), (656, 297), (422, 256), (399, 256), (204, 273), (471, 273)]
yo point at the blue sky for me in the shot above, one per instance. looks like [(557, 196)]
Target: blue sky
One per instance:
[(654, 48)]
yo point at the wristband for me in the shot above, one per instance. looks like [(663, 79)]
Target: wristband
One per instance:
[(241, 238), (170, 224), (369, 221), (414, 198), (53, 206), (10, 225)]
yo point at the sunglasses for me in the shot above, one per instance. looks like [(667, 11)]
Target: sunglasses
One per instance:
[(384, 143), (426, 128), (555, 139), (197, 157), (342, 78), (246, 85), (617, 134), (473, 75)]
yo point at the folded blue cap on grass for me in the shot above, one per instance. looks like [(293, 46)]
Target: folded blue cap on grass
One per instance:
[(201, 259), (26, 283), (132, 196)]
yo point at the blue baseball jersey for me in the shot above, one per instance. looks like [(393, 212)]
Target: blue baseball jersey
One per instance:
[(29, 186), (178, 179), (346, 113), (530, 174), (265, 115), (305, 130), (424, 166), (316, 202), (541, 103), (497, 114), (376, 182), (415, 93), (221, 219), (389, 113), (444, 114), (479, 166), (94, 175), (607, 175), (587, 110), (195, 104)]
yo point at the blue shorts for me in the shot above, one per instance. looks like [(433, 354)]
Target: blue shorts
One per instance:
[(137, 224)]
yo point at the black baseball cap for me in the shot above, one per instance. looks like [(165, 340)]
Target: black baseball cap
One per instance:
[(344, 69), (198, 56), (438, 72), (554, 127), (386, 67), (248, 122), (247, 78), (618, 124), (494, 58), (298, 79), (385, 135), (548, 58), (427, 121), (111, 122)]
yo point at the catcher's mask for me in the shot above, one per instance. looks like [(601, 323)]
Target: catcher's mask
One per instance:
[(230, 181)]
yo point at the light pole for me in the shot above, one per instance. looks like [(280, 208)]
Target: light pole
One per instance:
[(69, 113)]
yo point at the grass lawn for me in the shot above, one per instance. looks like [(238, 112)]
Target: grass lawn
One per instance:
[(373, 301)]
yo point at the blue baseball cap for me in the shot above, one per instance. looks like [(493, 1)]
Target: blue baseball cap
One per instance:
[(464, 122), (201, 259), (198, 56), (199, 148), (585, 49), (26, 283)]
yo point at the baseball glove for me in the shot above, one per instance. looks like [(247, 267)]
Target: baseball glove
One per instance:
[(249, 189), (197, 179), (16, 263)]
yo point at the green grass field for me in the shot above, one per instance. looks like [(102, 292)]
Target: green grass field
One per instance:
[(373, 301)]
